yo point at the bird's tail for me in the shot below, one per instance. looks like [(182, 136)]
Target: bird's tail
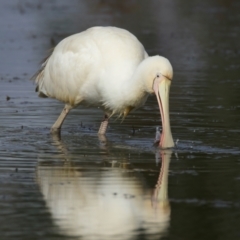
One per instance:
[(39, 76)]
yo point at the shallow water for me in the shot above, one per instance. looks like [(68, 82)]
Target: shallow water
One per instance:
[(122, 187)]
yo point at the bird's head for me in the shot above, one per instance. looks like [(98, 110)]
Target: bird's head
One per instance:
[(158, 74)]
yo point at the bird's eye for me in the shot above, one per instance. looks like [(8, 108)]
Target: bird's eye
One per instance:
[(158, 75)]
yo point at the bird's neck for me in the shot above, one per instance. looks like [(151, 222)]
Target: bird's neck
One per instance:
[(129, 92), (140, 78), (135, 88)]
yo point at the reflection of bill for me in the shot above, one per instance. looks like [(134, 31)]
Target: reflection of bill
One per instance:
[(105, 203)]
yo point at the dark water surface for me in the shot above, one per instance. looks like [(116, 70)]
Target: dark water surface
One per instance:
[(122, 187)]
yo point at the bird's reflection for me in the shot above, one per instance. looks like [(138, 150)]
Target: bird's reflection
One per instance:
[(93, 202)]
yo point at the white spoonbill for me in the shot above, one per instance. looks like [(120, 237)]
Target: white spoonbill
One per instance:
[(106, 67)]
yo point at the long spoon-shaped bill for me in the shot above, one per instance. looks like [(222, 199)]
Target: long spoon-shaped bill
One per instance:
[(161, 89)]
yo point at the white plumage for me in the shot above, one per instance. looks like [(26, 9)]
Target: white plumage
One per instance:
[(106, 67)]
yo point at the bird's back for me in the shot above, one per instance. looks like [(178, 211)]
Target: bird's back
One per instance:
[(90, 66)]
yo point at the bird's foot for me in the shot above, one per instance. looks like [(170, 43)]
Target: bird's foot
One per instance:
[(102, 140), (56, 132)]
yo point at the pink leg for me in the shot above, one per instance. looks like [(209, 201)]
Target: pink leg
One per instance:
[(103, 127), (56, 127)]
